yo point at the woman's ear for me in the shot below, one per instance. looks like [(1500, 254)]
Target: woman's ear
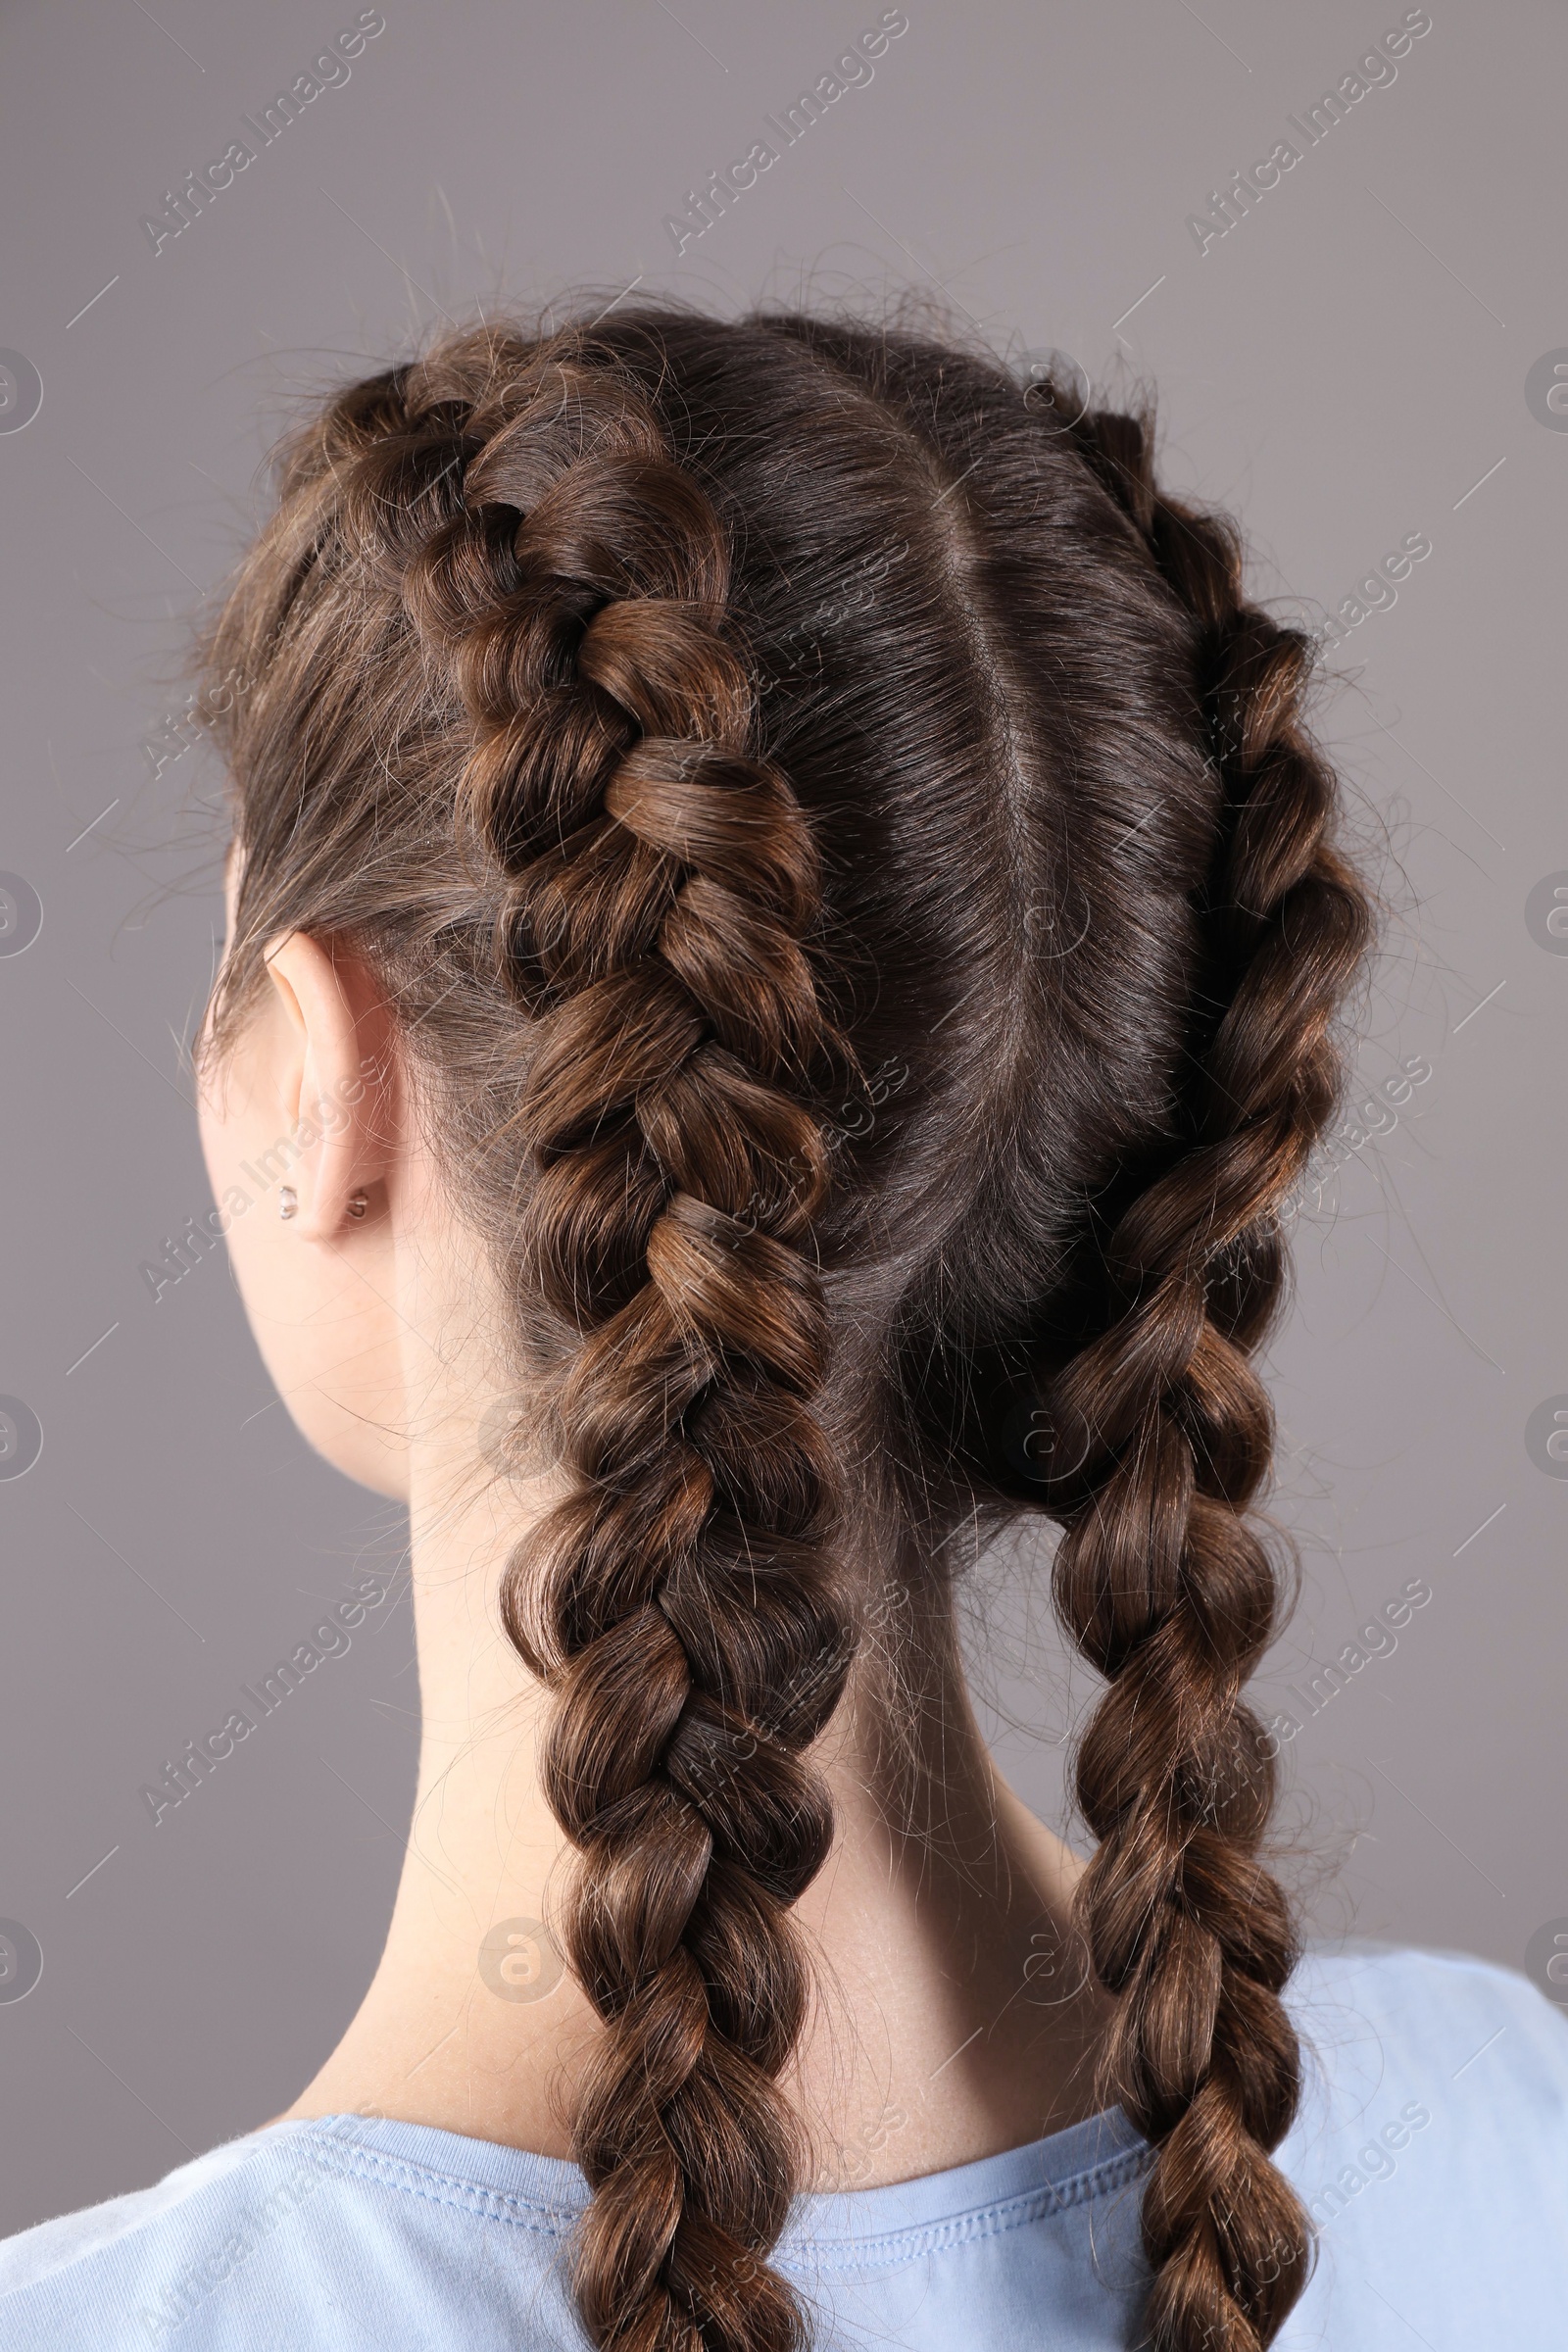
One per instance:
[(339, 1081)]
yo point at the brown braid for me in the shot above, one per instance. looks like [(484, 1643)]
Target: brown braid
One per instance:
[(598, 685), (1161, 1580), (659, 879)]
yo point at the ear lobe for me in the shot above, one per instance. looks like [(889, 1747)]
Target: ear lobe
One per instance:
[(340, 1107)]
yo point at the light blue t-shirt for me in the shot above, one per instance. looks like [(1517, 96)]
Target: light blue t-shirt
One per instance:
[(1431, 2150)]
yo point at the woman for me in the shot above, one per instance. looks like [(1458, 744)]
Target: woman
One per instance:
[(785, 946)]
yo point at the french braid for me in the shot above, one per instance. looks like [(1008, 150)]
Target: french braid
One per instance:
[(659, 878), (1162, 1582)]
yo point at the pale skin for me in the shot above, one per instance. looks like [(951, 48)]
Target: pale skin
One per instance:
[(951, 2019)]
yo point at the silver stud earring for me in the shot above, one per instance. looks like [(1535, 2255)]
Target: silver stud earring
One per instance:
[(357, 1205), (288, 1199)]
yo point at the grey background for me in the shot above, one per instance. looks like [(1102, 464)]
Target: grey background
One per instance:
[(1344, 366)]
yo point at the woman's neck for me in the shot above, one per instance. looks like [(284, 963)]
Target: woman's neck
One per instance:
[(951, 2016)]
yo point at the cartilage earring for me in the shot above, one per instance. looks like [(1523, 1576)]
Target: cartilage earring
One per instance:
[(288, 1199), (357, 1205)]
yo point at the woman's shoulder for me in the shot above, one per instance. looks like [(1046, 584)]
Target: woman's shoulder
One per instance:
[(1371, 2015), (329, 2234), (132, 2265), (1431, 2149)]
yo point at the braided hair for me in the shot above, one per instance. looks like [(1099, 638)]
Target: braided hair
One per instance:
[(686, 718), (1161, 1580)]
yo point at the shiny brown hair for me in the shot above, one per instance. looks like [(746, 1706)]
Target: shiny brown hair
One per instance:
[(846, 861)]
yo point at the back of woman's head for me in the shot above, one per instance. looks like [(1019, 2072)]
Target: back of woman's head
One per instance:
[(848, 869)]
